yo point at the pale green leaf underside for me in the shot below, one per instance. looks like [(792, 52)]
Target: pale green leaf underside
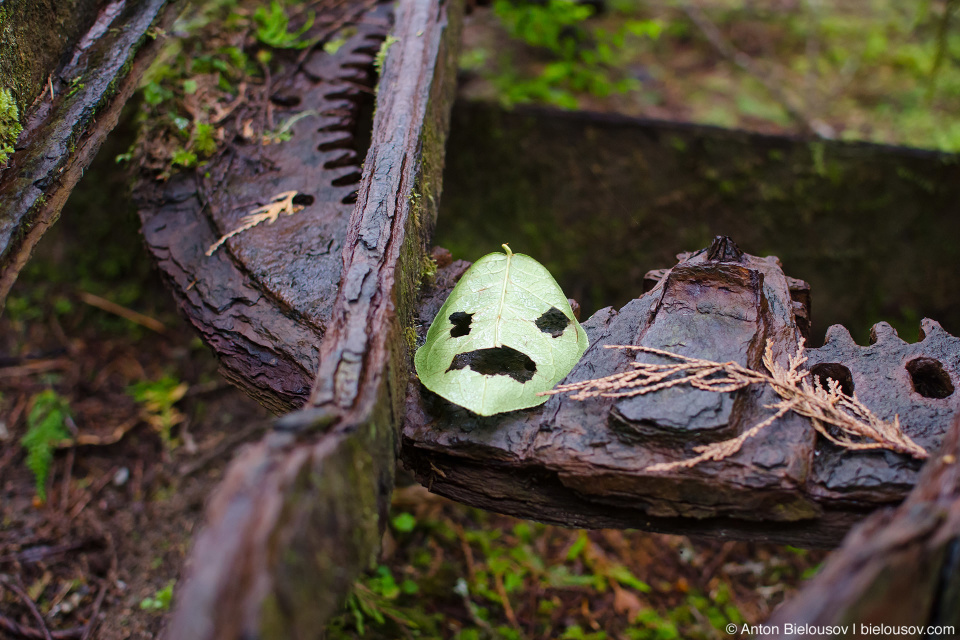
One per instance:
[(506, 295)]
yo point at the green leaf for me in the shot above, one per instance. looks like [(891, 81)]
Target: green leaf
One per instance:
[(505, 334)]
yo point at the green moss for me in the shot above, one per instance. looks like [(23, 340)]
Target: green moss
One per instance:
[(9, 124), (381, 57), (428, 269), (410, 335)]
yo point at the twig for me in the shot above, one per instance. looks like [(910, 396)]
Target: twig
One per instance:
[(87, 439), (747, 64), (942, 30), (282, 203), (92, 622), (123, 312), (37, 366), (90, 495), (502, 592), (822, 406), (17, 629), (67, 476), (27, 600), (218, 451)]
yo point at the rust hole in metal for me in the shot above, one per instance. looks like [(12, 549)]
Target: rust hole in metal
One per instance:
[(929, 378), (836, 371), (285, 101)]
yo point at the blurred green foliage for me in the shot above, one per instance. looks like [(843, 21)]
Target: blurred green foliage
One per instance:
[(883, 71), (581, 58), (46, 426), (464, 574)]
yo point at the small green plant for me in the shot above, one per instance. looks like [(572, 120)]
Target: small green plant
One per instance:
[(160, 601), (9, 124), (46, 426), (184, 158), (373, 602), (584, 59), (157, 399), (273, 28), (204, 139)]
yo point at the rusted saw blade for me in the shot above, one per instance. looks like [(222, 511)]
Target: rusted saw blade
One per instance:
[(262, 300)]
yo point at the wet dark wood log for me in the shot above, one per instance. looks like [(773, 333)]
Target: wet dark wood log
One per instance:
[(90, 55), (583, 463), (301, 513), (901, 567)]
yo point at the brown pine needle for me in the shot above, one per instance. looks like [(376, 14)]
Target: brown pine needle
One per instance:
[(280, 203), (127, 314), (856, 427)]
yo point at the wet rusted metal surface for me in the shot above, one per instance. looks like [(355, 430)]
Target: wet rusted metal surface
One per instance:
[(263, 300), (581, 463), (300, 514), (93, 79), (899, 567)]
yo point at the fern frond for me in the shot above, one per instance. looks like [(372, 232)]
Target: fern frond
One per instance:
[(46, 426)]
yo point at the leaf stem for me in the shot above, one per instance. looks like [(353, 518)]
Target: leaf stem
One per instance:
[(503, 299)]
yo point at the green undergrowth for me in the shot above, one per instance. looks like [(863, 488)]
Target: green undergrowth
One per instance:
[(882, 71), (9, 124), (157, 399), (454, 572), (206, 87), (574, 56), (46, 426)]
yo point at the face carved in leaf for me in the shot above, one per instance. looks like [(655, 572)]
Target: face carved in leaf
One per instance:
[(505, 334)]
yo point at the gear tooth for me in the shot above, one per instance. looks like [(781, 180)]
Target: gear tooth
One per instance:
[(838, 335), (930, 327), (883, 332)]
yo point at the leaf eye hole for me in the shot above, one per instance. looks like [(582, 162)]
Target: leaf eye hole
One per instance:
[(461, 324), (553, 321)]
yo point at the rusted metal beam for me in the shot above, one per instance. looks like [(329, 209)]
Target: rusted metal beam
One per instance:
[(67, 114), (300, 514), (899, 568), (584, 463)]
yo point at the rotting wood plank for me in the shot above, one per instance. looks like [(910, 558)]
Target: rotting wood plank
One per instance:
[(900, 567), (301, 513), (62, 134)]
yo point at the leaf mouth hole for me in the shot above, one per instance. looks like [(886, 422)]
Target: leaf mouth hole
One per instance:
[(461, 324), (497, 361), (553, 321)]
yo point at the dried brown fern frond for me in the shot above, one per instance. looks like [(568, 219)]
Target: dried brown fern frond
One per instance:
[(854, 425)]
